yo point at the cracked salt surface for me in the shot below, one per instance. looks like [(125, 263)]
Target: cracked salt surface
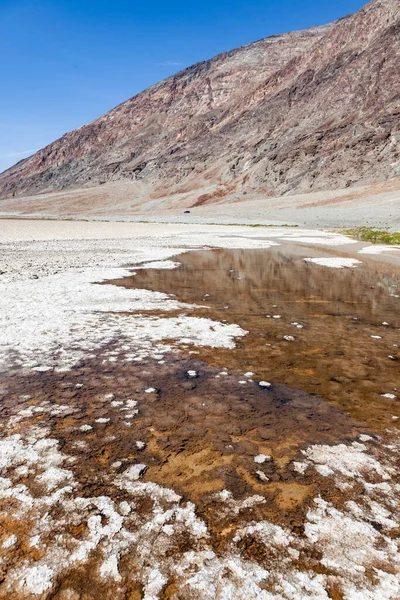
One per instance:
[(349, 545), (108, 534)]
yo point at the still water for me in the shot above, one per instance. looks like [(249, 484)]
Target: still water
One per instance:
[(331, 332)]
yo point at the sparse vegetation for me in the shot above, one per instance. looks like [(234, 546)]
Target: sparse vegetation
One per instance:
[(373, 235), (251, 225)]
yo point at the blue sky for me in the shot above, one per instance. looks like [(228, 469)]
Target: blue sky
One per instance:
[(65, 62)]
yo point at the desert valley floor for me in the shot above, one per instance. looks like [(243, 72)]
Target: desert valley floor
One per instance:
[(197, 412)]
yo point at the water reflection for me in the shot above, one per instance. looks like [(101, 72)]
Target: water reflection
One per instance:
[(332, 315)]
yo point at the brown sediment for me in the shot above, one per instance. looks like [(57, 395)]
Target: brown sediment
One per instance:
[(333, 355), (201, 433)]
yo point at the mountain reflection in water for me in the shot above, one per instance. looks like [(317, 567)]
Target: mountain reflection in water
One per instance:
[(332, 315)]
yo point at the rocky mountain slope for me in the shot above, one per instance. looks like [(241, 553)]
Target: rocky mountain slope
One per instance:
[(293, 113)]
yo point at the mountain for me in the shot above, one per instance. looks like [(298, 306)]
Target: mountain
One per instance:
[(299, 112)]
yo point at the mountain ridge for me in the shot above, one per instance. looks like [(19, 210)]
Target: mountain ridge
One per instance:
[(297, 112)]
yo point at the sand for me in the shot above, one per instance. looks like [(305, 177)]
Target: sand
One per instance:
[(375, 205)]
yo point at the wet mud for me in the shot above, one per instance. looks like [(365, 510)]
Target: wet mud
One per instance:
[(200, 434)]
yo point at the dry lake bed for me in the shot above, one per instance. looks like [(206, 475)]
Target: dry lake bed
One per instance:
[(196, 412)]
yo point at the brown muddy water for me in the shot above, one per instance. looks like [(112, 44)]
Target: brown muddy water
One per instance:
[(330, 332), (315, 333)]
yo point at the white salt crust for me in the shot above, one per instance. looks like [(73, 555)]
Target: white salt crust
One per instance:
[(54, 320), (348, 545), (349, 461), (261, 458), (379, 249), (59, 319), (335, 262), (265, 384), (323, 239), (159, 264), (10, 541)]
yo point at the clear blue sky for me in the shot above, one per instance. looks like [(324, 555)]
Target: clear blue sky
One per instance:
[(65, 62)]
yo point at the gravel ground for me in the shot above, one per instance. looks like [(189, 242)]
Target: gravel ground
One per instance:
[(376, 205)]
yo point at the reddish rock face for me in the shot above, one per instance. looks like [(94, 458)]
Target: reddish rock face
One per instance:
[(298, 112)]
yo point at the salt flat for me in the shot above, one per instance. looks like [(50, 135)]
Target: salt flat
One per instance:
[(142, 455)]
